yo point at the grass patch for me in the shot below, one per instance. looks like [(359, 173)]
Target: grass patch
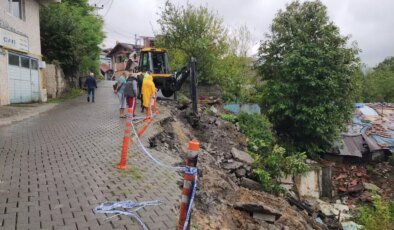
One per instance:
[(379, 215), (73, 93)]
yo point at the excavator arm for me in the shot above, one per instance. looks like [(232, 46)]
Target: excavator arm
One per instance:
[(177, 80)]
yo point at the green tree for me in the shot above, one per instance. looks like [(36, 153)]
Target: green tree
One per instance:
[(191, 31), (387, 64), (379, 83), (308, 69), (71, 34)]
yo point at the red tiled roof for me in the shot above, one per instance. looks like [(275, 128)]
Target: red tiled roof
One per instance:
[(104, 67)]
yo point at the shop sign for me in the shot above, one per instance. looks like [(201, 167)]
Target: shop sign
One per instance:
[(13, 40)]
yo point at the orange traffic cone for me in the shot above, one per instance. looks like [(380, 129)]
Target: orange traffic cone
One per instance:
[(126, 141)]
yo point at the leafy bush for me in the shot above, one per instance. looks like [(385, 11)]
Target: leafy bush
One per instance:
[(271, 162), (379, 216), (71, 94), (258, 130), (277, 165), (229, 117)]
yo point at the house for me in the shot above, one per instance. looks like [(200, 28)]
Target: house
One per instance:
[(121, 54), (106, 64), (148, 41), (370, 135), (20, 51)]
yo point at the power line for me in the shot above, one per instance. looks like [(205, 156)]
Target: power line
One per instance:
[(119, 33), (109, 8)]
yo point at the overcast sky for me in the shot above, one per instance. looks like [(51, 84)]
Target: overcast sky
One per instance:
[(370, 23)]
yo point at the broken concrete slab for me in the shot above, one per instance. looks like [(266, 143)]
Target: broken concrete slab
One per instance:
[(264, 217), (257, 207), (341, 207), (213, 110), (241, 172), (326, 208), (345, 217), (251, 184), (370, 187), (242, 156), (232, 166), (350, 225), (310, 183)]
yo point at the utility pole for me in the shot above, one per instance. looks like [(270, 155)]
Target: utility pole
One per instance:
[(137, 39), (97, 8)]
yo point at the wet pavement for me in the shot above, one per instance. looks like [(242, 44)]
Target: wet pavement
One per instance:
[(56, 167)]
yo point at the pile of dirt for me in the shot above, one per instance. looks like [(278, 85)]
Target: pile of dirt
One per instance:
[(221, 202)]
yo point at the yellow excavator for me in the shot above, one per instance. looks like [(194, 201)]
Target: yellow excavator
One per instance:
[(156, 60)]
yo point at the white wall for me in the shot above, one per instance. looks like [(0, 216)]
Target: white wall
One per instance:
[(30, 26)]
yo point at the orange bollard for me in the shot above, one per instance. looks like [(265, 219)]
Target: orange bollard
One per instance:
[(192, 155), (148, 113), (126, 140), (142, 130), (154, 107), (186, 192), (191, 160)]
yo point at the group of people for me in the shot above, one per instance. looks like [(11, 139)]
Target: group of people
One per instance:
[(129, 88)]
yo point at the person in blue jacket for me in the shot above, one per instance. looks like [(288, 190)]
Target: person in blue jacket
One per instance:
[(91, 85)]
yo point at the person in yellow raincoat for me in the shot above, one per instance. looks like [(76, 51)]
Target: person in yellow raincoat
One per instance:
[(148, 91)]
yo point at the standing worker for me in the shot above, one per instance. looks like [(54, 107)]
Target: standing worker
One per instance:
[(148, 92), (131, 91), (91, 85), (119, 90), (140, 82)]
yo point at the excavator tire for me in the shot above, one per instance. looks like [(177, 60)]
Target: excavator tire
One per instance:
[(167, 93)]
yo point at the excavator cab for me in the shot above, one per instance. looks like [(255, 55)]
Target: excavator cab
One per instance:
[(156, 61)]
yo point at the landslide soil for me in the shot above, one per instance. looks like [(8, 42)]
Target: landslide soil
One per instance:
[(217, 192)]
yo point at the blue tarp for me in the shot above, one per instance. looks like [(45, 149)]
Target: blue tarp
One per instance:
[(387, 141), (237, 108), (368, 111)]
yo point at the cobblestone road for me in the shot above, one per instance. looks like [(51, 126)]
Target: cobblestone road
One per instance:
[(56, 167)]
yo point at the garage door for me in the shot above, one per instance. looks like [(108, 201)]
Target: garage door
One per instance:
[(23, 79)]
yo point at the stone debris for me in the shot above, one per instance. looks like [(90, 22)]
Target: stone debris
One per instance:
[(370, 187), (264, 217), (242, 156), (350, 225)]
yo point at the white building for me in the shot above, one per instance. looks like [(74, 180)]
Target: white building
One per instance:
[(20, 51)]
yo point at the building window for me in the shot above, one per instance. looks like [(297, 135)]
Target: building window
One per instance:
[(25, 62), (16, 8), (13, 59), (34, 64)]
